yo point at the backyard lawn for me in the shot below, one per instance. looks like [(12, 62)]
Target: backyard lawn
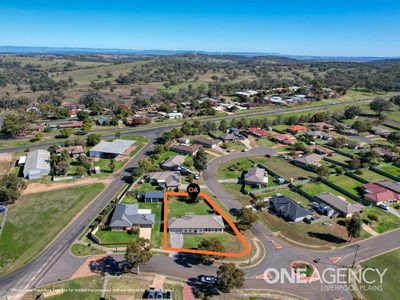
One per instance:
[(319, 187), (235, 167), (391, 169), (372, 176), (381, 221), (178, 207), (347, 183), (33, 222), (291, 194), (390, 283)]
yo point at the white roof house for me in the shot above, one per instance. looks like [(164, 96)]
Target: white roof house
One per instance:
[(111, 149), (22, 160), (37, 164), (175, 115)]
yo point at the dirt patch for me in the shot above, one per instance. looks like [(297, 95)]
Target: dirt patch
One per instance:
[(84, 270), (6, 162), (45, 187)]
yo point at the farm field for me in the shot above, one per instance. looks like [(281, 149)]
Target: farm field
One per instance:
[(34, 220)]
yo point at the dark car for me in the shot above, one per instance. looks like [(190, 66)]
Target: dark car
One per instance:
[(168, 295)]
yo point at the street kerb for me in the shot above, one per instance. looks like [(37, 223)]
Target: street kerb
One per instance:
[(241, 238)]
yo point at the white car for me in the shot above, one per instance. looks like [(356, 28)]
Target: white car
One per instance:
[(383, 206), (207, 279)]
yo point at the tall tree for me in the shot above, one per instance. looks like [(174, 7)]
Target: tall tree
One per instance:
[(229, 277), (200, 160), (138, 252), (352, 111), (380, 105), (11, 188), (354, 226), (211, 244), (93, 139), (245, 219), (396, 100)]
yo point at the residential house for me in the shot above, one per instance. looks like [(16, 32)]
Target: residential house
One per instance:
[(294, 129), (311, 159), (321, 150), (339, 204), (72, 124), (102, 120), (175, 115), (37, 164), (153, 197), (205, 142), (73, 151), (258, 132), (256, 176), (166, 180), (322, 126), (183, 140), (318, 135), (284, 138), (173, 163), (117, 149), (380, 131), (229, 137), (378, 193), (126, 216), (186, 149), (288, 208), (386, 154), (196, 224)]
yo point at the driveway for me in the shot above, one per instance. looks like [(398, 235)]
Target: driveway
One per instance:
[(176, 239), (393, 211), (145, 233)]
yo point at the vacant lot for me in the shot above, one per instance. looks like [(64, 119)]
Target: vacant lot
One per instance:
[(381, 221), (390, 284), (34, 220)]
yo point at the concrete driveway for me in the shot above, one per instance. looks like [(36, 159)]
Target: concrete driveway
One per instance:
[(176, 239), (393, 211)]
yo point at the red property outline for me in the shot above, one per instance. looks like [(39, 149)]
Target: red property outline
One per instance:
[(247, 247)]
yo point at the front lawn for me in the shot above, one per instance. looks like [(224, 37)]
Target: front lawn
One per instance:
[(390, 282), (263, 142), (229, 241), (85, 250), (380, 220), (115, 237), (233, 145), (235, 167), (33, 221)]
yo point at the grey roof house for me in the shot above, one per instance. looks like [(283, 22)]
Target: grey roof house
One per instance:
[(153, 197), (309, 159), (117, 149), (196, 224), (37, 164), (288, 208), (339, 204), (129, 215), (167, 179), (173, 162), (256, 177)]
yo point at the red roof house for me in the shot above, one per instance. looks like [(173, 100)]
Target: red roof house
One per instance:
[(285, 138), (376, 193), (297, 128), (258, 132)]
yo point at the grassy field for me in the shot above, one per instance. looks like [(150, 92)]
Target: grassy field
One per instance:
[(390, 284), (178, 207), (265, 143), (234, 189), (34, 220), (385, 220), (235, 167), (319, 187), (115, 237), (229, 241), (287, 170), (347, 183), (390, 168), (85, 250), (372, 176), (234, 145)]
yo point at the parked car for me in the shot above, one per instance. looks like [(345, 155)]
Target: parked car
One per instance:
[(2, 208), (159, 294), (208, 279), (383, 206), (151, 293)]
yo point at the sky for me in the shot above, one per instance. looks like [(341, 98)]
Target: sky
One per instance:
[(295, 27)]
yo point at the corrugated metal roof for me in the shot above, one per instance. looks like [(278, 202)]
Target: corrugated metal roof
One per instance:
[(117, 146)]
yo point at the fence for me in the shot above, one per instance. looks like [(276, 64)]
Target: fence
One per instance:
[(376, 170)]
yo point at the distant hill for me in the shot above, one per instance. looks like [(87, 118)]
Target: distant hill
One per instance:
[(76, 51)]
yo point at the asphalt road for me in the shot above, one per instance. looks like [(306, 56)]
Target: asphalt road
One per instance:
[(163, 127)]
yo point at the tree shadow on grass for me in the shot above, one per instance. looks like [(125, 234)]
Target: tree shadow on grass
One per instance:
[(328, 237)]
